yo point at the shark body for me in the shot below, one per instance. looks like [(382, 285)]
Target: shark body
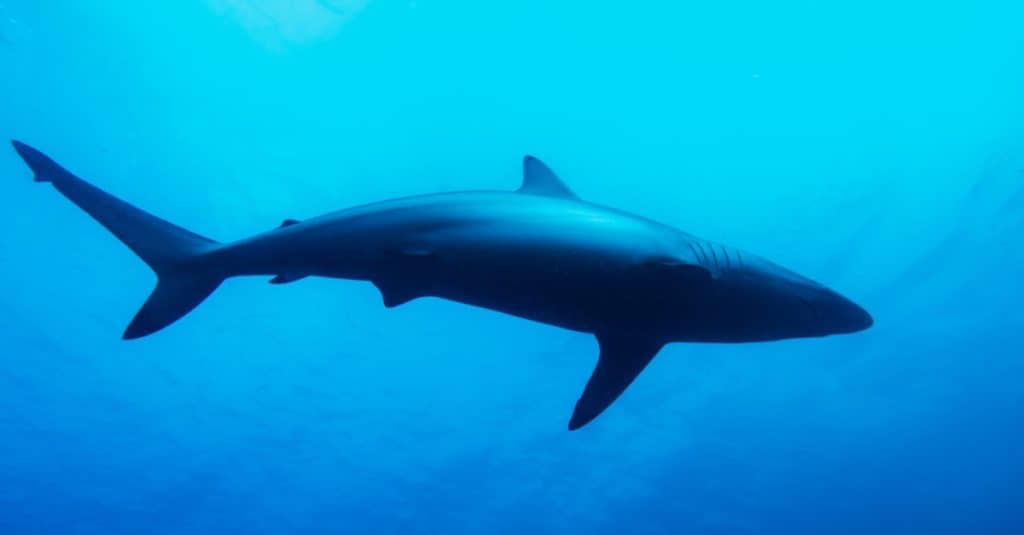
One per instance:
[(539, 253)]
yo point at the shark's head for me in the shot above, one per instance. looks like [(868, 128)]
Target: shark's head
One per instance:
[(747, 298), (783, 304)]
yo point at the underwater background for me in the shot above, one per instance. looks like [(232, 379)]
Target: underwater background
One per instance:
[(875, 146)]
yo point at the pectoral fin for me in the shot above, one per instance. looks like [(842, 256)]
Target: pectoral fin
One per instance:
[(622, 358), (679, 270)]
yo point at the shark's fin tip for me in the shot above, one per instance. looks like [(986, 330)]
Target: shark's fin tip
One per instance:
[(539, 179), (621, 360)]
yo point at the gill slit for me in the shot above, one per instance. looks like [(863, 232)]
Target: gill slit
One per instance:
[(694, 251), (713, 255), (704, 254)]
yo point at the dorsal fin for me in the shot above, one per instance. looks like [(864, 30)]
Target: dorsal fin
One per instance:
[(539, 179), (289, 222)]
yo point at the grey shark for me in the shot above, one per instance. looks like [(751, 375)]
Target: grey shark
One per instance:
[(539, 253)]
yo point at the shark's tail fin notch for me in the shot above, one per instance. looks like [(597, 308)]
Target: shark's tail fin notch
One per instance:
[(185, 274)]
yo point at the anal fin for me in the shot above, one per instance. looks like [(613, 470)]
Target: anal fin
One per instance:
[(621, 360)]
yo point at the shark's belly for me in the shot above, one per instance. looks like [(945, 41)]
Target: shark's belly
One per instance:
[(580, 296), (541, 303)]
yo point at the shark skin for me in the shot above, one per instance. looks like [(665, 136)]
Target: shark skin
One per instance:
[(538, 253)]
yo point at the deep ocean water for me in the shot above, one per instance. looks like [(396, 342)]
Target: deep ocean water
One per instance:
[(876, 147)]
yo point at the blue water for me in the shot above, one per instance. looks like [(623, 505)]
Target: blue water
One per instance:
[(875, 146)]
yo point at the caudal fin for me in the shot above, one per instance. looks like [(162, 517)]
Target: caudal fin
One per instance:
[(185, 276)]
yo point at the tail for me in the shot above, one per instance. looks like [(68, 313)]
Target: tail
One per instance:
[(185, 276)]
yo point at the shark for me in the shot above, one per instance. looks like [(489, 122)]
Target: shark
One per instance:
[(539, 252)]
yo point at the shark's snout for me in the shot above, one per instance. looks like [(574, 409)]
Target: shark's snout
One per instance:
[(862, 319), (845, 316)]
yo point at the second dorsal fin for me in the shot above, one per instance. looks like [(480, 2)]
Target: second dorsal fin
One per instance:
[(288, 223), (539, 179)]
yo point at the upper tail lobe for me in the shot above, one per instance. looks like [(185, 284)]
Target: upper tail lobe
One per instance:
[(185, 276)]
